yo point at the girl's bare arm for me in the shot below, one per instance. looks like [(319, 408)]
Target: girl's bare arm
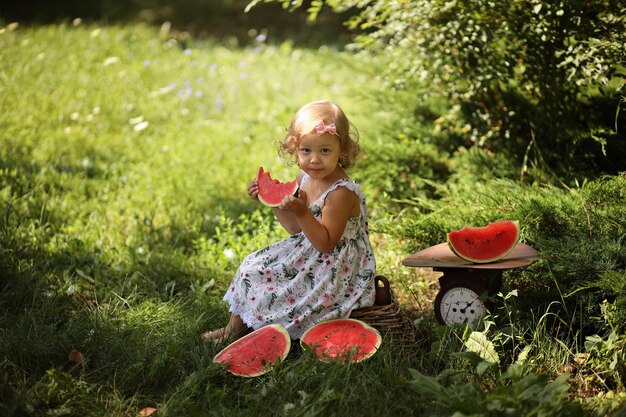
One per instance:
[(340, 205)]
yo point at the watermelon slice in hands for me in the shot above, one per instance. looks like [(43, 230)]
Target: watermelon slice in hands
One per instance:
[(342, 340), (485, 244), (271, 191)]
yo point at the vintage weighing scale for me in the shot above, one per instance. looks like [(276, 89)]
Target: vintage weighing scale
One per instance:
[(462, 285)]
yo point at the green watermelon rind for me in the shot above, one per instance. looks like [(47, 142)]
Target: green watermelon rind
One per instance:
[(264, 201), (268, 366), (327, 358), (494, 259)]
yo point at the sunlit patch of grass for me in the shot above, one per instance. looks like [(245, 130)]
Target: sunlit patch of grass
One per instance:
[(130, 148)]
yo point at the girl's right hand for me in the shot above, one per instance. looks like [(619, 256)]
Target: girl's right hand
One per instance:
[(253, 189), (295, 205)]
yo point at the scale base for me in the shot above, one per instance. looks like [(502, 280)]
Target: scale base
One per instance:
[(465, 295), (465, 284)]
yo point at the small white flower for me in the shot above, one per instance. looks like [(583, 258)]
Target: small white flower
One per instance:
[(111, 60), (167, 89), (135, 120), (229, 253), (141, 126)]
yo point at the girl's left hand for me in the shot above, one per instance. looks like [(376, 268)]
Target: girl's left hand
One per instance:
[(296, 205)]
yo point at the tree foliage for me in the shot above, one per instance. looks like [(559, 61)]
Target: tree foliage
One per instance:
[(543, 81)]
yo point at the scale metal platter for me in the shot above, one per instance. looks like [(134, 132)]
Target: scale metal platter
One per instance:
[(440, 257)]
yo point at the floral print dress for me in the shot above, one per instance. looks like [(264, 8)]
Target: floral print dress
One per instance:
[(292, 283)]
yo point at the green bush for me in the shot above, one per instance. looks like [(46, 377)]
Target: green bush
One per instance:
[(579, 234), (517, 393), (542, 82)]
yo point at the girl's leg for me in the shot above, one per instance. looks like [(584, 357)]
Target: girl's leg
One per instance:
[(233, 330)]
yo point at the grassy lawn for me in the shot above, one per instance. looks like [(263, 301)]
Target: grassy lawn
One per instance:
[(124, 159)]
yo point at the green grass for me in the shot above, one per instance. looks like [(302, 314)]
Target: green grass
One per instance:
[(124, 160)]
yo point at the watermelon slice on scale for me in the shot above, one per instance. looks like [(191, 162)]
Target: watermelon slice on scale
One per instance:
[(342, 340), (271, 191), (485, 244), (255, 353)]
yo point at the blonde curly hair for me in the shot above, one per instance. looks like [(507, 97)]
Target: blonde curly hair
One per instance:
[(304, 122)]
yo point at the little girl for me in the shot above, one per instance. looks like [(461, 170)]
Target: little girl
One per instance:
[(326, 268)]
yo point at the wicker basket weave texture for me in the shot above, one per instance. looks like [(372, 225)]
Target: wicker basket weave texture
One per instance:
[(389, 319)]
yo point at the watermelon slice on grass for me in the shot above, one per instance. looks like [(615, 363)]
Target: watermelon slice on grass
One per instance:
[(485, 244), (342, 340), (256, 353), (271, 191)]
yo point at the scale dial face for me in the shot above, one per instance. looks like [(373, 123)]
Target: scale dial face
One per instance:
[(459, 305)]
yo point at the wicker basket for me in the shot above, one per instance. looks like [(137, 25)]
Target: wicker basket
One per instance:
[(387, 316)]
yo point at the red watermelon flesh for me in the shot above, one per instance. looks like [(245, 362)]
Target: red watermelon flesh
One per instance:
[(342, 340), (485, 244), (253, 354), (272, 192)]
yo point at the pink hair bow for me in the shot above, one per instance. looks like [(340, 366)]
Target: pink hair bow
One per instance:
[(322, 128)]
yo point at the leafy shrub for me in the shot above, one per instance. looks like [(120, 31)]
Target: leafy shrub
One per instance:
[(515, 392), (605, 356), (409, 168), (544, 80), (579, 234)]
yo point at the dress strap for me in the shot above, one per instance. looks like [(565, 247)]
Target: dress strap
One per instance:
[(349, 184), (305, 178), (356, 189)]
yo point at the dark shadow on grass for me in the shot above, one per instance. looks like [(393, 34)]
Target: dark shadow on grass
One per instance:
[(137, 321), (221, 20), (134, 342)]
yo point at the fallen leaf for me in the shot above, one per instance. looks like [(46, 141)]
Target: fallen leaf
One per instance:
[(148, 411), (581, 358), (76, 356)]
